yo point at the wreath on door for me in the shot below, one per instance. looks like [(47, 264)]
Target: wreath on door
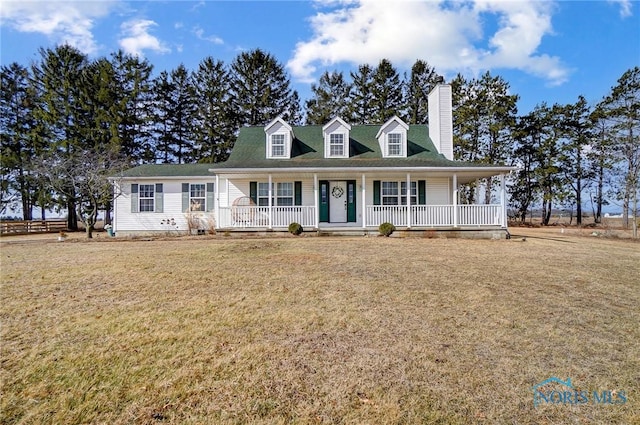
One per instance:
[(337, 192)]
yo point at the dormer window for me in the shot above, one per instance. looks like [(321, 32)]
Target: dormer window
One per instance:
[(392, 138), (279, 136), (336, 144), (336, 138), (277, 145), (394, 144)]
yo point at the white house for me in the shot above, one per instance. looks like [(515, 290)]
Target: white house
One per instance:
[(336, 177)]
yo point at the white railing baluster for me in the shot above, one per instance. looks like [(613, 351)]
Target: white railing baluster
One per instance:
[(421, 216), (258, 216), (433, 215)]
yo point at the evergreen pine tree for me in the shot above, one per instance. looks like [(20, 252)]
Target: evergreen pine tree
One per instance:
[(330, 99), (260, 88), (215, 121), (387, 90)]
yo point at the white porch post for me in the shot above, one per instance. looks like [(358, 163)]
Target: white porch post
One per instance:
[(270, 204), (503, 202), (455, 200), (408, 195), (316, 202), (364, 203), (117, 188), (216, 206)]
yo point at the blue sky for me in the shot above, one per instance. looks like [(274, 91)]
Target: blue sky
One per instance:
[(548, 51)]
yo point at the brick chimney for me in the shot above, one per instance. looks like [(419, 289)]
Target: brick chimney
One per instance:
[(441, 119)]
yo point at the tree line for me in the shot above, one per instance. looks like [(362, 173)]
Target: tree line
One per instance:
[(68, 122)]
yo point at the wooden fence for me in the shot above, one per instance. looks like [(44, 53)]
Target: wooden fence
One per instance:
[(33, 226)]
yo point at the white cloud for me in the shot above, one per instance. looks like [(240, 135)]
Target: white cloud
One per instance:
[(625, 7), (64, 22), (136, 37), (449, 35), (522, 25), (199, 32)]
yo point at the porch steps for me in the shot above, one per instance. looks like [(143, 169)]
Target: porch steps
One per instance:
[(346, 232)]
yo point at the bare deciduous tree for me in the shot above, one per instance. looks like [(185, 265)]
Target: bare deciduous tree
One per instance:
[(86, 178)]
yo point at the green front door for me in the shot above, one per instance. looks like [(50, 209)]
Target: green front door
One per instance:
[(325, 198)]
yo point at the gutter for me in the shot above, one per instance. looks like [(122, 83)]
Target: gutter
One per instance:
[(499, 169)]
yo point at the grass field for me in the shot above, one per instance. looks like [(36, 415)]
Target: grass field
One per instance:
[(317, 330)]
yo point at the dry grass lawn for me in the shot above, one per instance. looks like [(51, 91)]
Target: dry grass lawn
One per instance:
[(317, 330)]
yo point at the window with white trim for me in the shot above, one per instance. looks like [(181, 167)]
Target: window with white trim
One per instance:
[(146, 197), (394, 144), (278, 145), (263, 193), (336, 144), (414, 193), (282, 194), (197, 197), (389, 193)]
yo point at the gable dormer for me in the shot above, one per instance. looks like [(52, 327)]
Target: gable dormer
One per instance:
[(336, 138), (392, 138), (279, 137)]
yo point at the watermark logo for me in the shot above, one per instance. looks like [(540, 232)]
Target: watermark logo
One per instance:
[(565, 393)]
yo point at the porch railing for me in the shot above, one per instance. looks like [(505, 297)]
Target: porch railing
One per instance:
[(398, 215), (434, 215), (479, 215), (254, 216)]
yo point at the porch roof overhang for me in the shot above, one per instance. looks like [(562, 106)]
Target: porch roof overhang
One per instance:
[(464, 174)]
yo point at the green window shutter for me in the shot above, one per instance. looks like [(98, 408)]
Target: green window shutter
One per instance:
[(422, 192), (323, 194), (351, 201), (376, 192), (185, 197), (253, 192), (159, 207), (297, 190), (210, 196), (134, 198)]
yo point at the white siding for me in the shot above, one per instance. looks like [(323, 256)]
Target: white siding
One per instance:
[(126, 222), (438, 192), (237, 189), (307, 193)]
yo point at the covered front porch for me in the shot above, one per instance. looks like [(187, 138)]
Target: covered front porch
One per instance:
[(342, 200), (407, 216)]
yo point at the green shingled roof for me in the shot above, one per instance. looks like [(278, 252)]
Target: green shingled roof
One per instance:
[(308, 150), (169, 170)]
